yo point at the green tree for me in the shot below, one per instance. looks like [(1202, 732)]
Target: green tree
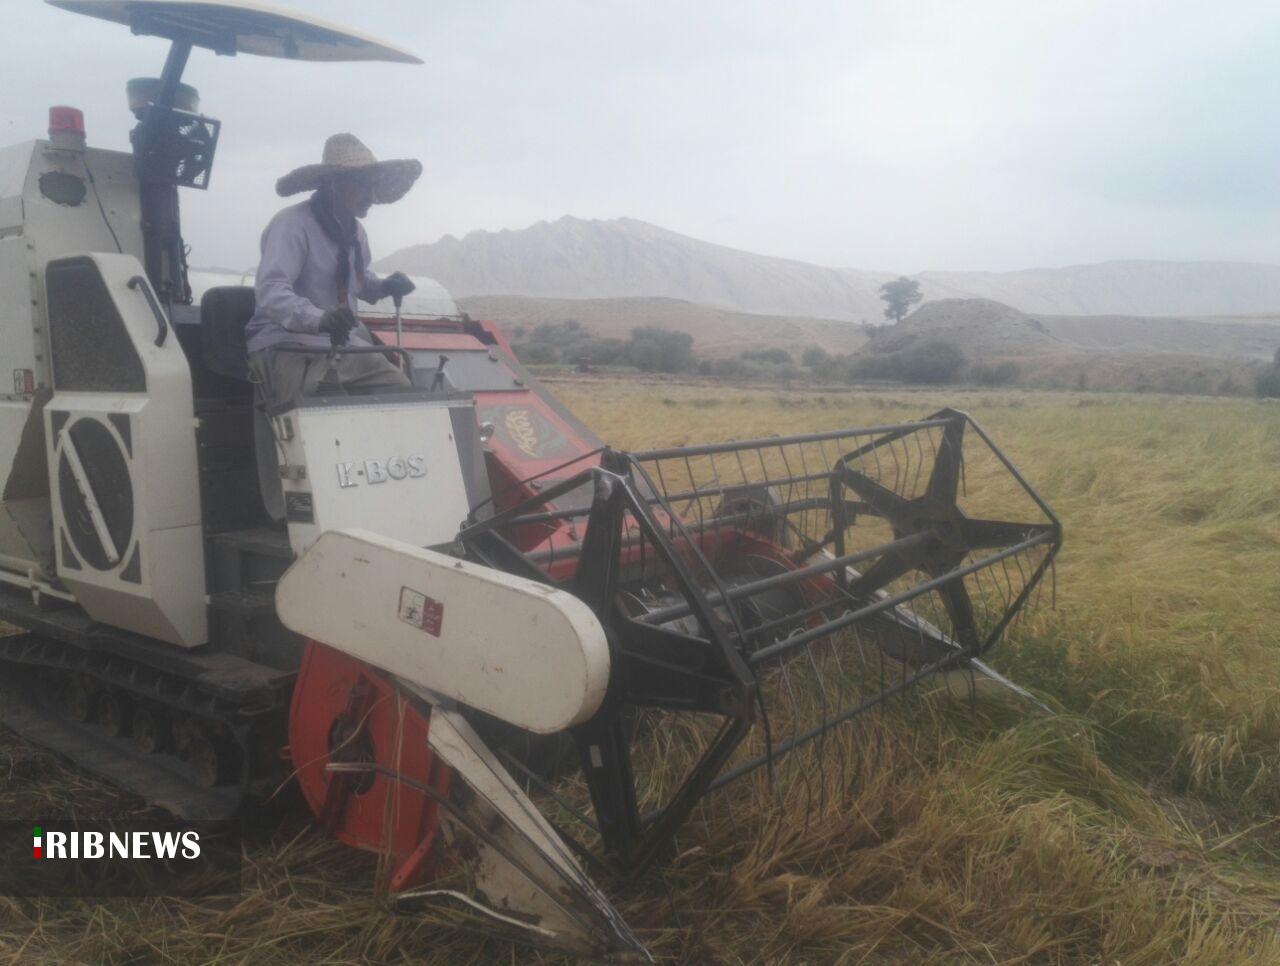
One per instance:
[(898, 296), (655, 349), (814, 356)]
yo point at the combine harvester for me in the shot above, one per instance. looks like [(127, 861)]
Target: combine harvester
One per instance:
[(496, 650)]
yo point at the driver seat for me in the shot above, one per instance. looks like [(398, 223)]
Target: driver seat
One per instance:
[(225, 311)]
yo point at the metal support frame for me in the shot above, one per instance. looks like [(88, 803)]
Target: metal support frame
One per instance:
[(164, 254), (274, 405)]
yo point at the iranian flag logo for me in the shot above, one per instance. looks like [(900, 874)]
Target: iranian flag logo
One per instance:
[(39, 849)]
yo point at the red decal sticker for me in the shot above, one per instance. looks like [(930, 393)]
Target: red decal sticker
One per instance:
[(421, 611), (433, 617)]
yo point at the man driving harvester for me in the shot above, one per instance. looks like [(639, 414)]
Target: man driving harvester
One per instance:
[(315, 264)]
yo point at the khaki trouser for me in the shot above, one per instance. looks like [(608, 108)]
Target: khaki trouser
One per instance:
[(296, 374)]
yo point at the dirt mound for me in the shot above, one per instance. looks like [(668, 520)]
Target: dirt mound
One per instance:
[(981, 328)]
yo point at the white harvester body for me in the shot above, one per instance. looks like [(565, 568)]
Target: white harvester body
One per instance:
[(123, 475), (57, 197), (402, 467), (100, 489)]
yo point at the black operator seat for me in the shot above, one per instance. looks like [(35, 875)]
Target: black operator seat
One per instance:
[(224, 313)]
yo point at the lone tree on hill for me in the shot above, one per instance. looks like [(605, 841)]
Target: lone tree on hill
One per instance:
[(899, 295)]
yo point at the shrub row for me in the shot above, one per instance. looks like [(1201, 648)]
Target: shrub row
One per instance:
[(650, 348)]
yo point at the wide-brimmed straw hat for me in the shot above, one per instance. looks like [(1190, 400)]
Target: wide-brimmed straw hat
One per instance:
[(345, 153)]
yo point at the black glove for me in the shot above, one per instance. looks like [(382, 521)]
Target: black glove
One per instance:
[(397, 285), (338, 323)]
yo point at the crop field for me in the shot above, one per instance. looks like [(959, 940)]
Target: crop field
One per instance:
[(1136, 825)]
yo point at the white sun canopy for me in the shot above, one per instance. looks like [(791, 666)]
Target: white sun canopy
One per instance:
[(241, 27)]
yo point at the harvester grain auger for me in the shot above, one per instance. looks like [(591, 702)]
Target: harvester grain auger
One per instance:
[(436, 600)]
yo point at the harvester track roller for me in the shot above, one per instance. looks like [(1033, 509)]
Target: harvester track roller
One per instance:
[(148, 730), (114, 714), (211, 761), (77, 700)]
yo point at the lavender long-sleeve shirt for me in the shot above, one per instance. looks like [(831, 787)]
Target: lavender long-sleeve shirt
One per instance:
[(297, 282)]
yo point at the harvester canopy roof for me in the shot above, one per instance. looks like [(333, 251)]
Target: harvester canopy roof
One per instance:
[(240, 27)]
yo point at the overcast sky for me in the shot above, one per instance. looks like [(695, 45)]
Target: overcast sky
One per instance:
[(882, 134)]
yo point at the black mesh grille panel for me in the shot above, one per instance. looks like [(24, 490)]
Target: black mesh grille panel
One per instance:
[(91, 349)]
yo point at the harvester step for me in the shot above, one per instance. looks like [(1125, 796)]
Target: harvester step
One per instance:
[(243, 603), (267, 543)]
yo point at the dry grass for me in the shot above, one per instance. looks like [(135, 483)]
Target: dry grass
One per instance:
[(1134, 828)]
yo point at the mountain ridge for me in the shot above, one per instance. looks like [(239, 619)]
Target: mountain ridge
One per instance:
[(626, 257)]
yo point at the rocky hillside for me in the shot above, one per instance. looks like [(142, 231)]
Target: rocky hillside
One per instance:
[(622, 258), (573, 258)]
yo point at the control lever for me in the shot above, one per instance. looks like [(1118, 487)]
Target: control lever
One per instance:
[(396, 300), (437, 379), (330, 384)]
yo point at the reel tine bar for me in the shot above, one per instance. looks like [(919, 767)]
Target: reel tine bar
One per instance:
[(796, 582)]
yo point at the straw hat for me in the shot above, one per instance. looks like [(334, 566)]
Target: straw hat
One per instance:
[(344, 153)]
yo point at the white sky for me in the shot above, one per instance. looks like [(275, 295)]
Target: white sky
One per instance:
[(894, 135)]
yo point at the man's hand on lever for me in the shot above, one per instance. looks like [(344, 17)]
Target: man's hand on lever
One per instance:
[(338, 323), (397, 285)]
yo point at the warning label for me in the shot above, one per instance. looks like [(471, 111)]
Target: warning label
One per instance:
[(421, 611)]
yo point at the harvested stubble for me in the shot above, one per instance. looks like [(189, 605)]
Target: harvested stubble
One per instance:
[(1134, 828)]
